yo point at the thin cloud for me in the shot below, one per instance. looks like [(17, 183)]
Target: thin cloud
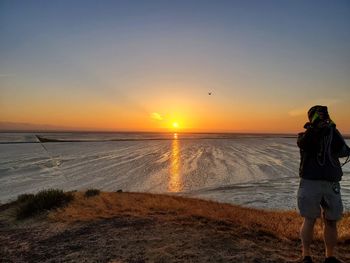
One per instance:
[(7, 75), (303, 109), (156, 116)]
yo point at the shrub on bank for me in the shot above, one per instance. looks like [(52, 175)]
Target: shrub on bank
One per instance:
[(44, 200), (92, 192), (24, 198)]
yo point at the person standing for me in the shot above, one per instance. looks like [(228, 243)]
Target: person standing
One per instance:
[(319, 191)]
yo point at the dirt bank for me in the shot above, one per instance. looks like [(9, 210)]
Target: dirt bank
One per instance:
[(133, 227)]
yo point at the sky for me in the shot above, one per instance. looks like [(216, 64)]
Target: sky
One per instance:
[(150, 65)]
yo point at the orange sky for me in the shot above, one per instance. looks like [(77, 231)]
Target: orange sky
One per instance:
[(201, 113), (122, 66)]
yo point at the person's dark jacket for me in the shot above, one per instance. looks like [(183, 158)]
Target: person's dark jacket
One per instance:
[(318, 163)]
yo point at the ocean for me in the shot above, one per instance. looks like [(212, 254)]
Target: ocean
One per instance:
[(255, 170)]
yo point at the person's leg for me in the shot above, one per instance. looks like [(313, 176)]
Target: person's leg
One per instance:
[(306, 234), (330, 236), (332, 212)]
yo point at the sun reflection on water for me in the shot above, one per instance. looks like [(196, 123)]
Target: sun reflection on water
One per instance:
[(175, 182)]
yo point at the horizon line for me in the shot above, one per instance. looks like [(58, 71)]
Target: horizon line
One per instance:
[(138, 131)]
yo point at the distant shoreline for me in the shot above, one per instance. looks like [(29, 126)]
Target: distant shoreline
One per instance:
[(196, 136), (258, 134), (144, 132)]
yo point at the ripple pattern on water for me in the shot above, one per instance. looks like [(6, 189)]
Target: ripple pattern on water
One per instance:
[(260, 172)]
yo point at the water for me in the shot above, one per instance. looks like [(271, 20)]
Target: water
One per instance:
[(251, 170)]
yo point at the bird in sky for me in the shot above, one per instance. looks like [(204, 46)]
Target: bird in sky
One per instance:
[(209, 93)]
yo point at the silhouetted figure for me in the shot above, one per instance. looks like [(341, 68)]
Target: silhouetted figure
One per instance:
[(319, 191)]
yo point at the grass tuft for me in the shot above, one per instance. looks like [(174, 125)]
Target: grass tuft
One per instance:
[(92, 192), (30, 205), (24, 198)]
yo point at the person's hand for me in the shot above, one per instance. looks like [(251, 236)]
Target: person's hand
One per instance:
[(324, 127), (323, 124)]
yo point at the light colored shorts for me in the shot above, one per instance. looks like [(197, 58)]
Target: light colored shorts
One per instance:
[(314, 195)]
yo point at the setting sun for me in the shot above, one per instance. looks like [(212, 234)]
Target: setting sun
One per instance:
[(165, 129)]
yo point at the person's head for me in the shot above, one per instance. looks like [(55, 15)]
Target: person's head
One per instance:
[(318, 113)]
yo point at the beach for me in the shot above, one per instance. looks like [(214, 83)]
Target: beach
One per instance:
[(135, 227), (189, 198), (173, 131), (252, 170)]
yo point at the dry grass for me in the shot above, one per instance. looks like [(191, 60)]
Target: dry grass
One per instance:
[(29, 204), (109, 205)]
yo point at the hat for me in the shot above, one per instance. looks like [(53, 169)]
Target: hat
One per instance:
[(317, 108)]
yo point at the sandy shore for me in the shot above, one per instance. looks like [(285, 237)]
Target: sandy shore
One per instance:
[(134, 227)]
